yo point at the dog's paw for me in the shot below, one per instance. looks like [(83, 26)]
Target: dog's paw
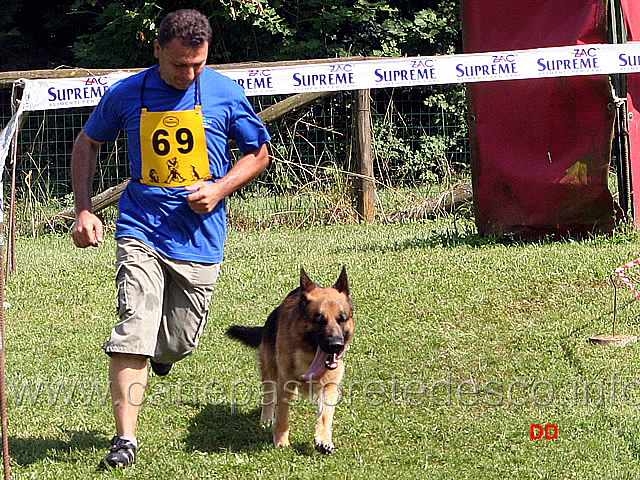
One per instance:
[(281, 440), (267, 416), (326, 448)]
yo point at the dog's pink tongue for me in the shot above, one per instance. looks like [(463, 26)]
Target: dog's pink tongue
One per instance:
[(317, 366)]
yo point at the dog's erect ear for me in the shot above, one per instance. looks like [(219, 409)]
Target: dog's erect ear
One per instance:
[(342, 285), (306, 285)]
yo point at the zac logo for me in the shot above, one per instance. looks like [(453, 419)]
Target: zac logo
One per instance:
[(426, 63), (340, 68), (585, 52), (504, 58), (95, 81), (257, 73)]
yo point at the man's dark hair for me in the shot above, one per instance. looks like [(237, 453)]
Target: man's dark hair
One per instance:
[(190, 26)]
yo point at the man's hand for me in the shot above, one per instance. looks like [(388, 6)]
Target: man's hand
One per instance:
[(203, 197), (87, 231)]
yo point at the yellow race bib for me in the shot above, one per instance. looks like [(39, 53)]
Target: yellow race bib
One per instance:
[(173, 148)]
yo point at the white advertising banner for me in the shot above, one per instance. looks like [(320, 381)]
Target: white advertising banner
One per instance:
[(375, 73), (446, 69), (50, 94)]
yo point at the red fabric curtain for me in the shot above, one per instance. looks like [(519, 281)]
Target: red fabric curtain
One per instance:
[(540, 148), (632, 24)]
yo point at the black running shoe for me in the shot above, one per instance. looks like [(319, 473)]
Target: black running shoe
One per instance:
[(160, 369), (122, 454)]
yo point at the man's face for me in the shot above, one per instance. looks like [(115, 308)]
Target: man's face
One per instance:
[(179, 65)]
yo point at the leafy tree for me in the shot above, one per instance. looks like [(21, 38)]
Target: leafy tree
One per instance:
[(336, 28), (37, 34), (115, 34), (120, 34)]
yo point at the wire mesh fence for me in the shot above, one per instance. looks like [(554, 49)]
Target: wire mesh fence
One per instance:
[(419, 138)]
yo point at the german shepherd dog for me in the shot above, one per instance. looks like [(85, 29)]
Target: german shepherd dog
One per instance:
[(301, 348)]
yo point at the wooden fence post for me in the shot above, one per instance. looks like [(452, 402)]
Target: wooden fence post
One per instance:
[(365, 183)]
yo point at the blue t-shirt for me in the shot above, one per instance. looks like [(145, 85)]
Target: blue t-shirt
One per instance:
[(160, 216)]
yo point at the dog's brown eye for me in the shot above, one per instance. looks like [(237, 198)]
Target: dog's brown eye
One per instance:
[(319, 318), (342, 318)]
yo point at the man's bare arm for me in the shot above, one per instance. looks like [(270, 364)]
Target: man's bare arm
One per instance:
[(87, 231)]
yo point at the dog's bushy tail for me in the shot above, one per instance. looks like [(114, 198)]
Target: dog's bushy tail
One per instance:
[(250, 336)]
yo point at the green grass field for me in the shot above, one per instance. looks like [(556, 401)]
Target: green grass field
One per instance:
[(461, 344)]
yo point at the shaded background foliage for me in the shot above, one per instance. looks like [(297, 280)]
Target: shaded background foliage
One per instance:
[(36, 34)]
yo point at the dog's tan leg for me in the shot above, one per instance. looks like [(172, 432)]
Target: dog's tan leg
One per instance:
[(268, 401), (327, 400), (269, 383), (286, 393)]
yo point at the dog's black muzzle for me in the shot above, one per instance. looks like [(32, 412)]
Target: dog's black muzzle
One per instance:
[(334, 345)]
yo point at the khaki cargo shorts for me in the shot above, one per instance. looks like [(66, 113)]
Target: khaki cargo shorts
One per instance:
[(162, 303)]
